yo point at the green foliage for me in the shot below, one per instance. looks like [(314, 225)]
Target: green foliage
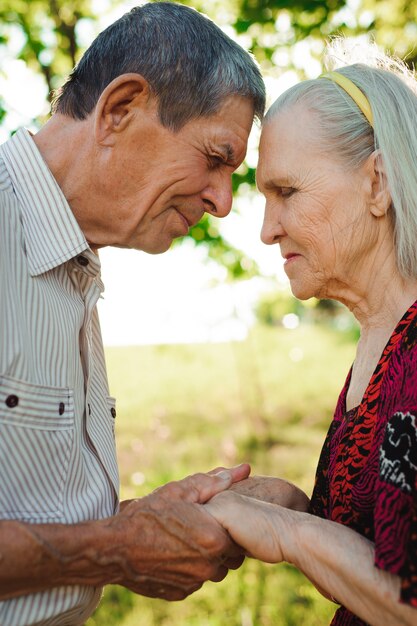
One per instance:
[(117, 606), (256, 595), (307, 16), (186, 408), (274, 305), (2, 109), (49, 34), (236, 262), (393, 25)]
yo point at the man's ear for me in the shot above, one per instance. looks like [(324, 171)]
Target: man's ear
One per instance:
[(380, 195), (118, 104)]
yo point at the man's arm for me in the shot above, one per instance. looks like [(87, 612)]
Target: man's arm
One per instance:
[(338, 561), (163, 545)]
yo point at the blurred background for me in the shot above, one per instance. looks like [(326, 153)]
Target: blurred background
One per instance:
[(212, 361)]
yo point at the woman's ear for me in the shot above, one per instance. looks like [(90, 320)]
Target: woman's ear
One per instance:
[(380, 195), (118, 105)]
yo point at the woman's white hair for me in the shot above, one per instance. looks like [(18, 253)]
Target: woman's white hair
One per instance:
[(391, 90)]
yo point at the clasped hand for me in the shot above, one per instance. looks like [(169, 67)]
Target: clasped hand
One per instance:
[(168, 544), (257, 513)]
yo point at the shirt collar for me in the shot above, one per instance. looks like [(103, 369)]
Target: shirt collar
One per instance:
[(52, 234)]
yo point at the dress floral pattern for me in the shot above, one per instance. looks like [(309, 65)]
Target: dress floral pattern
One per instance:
[(367, 472)]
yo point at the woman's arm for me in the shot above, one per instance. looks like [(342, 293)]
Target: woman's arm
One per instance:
[(337, 560)]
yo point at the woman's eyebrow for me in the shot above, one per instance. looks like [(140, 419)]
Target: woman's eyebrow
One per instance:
[(277, 181)]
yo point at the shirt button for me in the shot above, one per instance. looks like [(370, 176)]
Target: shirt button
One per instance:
[(12, 401), (82, 260), (113, 411), (61, 408)]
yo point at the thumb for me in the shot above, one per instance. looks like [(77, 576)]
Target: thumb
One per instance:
[(238, 472), (202, 487), (219, 482)]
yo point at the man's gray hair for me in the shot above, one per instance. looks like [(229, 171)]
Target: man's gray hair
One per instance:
[(190, 64), (344, 131)]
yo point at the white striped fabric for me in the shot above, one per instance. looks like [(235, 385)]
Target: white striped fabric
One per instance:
[(57, 452)]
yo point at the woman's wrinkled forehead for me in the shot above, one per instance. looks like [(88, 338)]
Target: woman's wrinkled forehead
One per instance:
[(281, 147), (292, 129)]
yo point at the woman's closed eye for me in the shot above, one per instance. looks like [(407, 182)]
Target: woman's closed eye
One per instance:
[(286, 192)]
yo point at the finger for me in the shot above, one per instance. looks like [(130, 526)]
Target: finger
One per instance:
[(231, 550), (234, 563), (220, 574), (181, 593), (238, 472), (166, 590), (200, 488), (216, 470)]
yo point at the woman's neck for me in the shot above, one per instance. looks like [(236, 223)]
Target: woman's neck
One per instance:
[(378, 312), (374, 290)]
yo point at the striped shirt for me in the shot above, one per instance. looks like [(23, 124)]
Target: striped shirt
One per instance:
[(57, 452)]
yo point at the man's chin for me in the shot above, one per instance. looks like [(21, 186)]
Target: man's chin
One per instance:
[(158, 247)]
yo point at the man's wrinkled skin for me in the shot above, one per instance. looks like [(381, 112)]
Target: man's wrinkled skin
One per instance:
[(164, 545), (171, 514)]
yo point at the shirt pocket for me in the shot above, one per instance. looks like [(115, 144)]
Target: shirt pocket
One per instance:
[(36, 438)]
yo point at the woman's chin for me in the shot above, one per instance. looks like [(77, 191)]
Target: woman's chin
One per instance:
[(301, 291)]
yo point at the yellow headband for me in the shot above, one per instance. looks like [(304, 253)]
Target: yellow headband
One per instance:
[(354, 92)]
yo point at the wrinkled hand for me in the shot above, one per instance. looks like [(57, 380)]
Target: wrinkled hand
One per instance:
[(273, 490), (169, 545), (260, 528)]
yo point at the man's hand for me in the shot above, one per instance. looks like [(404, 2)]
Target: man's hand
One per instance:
[(273, 490), (164, 545), (172, 544)]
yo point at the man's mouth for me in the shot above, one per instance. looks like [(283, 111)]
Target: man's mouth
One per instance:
[(188, 220), (184, 219)]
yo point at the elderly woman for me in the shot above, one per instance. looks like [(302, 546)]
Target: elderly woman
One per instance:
[(338, 168)]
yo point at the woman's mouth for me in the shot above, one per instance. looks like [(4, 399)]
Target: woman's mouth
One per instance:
[(289, 258)]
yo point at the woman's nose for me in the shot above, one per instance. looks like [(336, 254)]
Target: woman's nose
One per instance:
[(272, 230)]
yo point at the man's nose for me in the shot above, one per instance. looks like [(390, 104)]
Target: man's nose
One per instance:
[(218, 198)]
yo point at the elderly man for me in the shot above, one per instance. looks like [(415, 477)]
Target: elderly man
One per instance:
[(143, 141)]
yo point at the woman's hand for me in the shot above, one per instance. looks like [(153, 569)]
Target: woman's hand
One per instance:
[(335, 558), (260, 528)]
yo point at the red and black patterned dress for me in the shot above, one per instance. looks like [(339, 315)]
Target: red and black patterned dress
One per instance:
[(367, 473)]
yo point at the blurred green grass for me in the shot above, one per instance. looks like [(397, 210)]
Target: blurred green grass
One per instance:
[(187, 408)]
